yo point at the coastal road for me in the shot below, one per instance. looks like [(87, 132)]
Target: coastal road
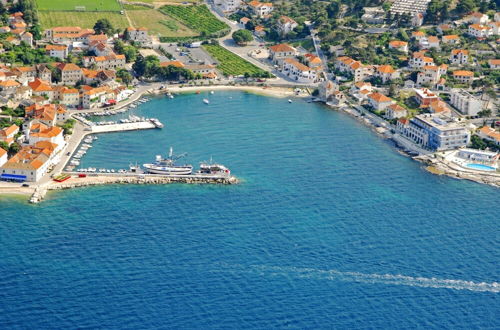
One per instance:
[(72, 143)]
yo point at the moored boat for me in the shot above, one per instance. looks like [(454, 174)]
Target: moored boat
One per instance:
[(168, 166)]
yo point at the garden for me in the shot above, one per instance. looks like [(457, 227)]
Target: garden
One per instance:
[(233, 65)]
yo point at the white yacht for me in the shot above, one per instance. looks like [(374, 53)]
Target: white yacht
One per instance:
[(168, 166)]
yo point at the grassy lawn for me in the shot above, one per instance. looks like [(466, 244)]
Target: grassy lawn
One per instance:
[(197, 18), (231, 64), (158, 23), (50, 19), (90, 5)]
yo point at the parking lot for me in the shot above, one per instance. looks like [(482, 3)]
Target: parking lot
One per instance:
[(188, 55)]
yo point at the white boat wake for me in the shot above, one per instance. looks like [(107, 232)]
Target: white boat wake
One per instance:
[(389, 279)]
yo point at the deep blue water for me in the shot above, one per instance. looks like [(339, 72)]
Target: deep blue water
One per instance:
[(330, 229)]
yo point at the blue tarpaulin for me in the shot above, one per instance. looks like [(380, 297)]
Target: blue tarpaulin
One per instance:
[(13, 177)]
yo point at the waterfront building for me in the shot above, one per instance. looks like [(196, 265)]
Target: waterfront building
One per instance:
[(395, 111), (379, 102), (8, 134), (96, 96), (481, 156), (465, 102), (490, 134), (40, 132), (69, 97), (3, 156), (298, 71), (30, 163), (436, 132), (459, 56), (463, 76), (206, 70)]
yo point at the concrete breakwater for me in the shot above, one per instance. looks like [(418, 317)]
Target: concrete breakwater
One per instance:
[(76, 182)]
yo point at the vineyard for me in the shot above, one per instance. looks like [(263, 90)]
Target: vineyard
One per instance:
[(233, 65), (197, 18)]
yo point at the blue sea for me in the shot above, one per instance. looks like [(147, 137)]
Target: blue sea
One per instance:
[(330, 228)]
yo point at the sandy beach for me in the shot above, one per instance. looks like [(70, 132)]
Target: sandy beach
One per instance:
[(267, 91)]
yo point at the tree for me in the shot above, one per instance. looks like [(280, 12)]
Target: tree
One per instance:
[(4, 145), (125, 76), (465, 6), (103, 25), (241, 37), (14, 148)]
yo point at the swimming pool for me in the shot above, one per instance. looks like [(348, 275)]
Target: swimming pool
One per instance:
[(481, 167)]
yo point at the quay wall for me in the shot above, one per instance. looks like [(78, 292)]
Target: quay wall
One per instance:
[(122, 127)]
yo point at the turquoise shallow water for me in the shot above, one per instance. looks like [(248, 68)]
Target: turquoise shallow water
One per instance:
[(330, 228)]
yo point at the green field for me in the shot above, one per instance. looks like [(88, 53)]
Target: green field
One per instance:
[(197, 18), (231, 64), (158, 23), (90, 5), (50, 19)]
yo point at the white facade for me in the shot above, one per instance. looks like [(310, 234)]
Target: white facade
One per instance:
[(466, 103)]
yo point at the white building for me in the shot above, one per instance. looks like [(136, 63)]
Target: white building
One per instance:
[(228, 6), (3, 157), (59, 51), (286, 25), (139, 35), (479, 31), (465, 102), (459, 56), (436, 132), (299, 72), (261, 9)]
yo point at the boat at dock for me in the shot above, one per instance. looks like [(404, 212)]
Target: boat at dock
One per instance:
[(156, 122), (214, 169), (168, 165)]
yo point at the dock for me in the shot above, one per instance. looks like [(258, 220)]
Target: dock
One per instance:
[(120, 127)]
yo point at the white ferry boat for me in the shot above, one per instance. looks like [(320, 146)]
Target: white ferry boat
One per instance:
[(168, 166)]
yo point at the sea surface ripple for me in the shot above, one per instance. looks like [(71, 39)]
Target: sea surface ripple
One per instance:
[(330, 228)]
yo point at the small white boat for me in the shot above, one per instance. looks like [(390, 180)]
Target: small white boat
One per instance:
[(206, 101), (212, 92), (289, 101)]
